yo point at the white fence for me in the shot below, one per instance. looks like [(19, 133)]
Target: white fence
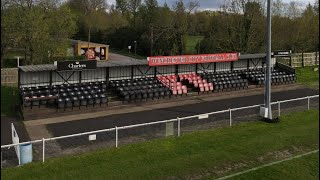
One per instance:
[(15, 140), (88, 141)]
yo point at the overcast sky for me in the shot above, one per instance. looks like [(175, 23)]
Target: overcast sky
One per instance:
[(215, 4)]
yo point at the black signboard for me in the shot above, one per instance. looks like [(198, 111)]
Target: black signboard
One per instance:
[(281, 53), (76, 65)]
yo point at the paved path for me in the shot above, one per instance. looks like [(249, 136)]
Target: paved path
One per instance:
[(71, 127), (6, 130)]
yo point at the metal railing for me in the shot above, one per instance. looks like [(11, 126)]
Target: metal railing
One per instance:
[(48, 147)]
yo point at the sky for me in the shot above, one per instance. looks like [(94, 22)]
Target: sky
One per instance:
[(215, 4)]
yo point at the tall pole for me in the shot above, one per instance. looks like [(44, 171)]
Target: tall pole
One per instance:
[(135, 47), (89, 33), (151, 43), (267, 94)]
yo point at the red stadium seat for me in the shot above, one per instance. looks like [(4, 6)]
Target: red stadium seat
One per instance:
[(174, 92), (184, 87)]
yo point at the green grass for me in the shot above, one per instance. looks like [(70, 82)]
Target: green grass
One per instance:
[(308, 77), (306, 167), (191, 43), (191, 154), (9, 101)]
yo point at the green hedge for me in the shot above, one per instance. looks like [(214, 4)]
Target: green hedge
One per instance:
[(11, 63), (9, 101)]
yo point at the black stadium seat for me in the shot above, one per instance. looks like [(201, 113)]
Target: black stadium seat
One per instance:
[(61, 103), (83, 100), (75, 101), (68, 102), (90, 99)]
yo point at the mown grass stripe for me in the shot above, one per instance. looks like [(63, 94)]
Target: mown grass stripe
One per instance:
[(269, 164)]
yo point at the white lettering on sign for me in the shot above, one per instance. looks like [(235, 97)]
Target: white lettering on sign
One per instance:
[(191, 59), (77, 66)]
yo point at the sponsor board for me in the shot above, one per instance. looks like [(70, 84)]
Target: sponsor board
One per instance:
[(192, 59)]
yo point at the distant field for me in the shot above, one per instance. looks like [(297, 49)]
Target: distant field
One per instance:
[(191, 43), (126, 53), (306, 167), (307, 76), (204, 154)]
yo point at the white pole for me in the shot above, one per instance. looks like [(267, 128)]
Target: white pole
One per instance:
[(18, 61), (308, 103), (43, 150), (268, 63), (178, 126), (116, 136), (279, 108), (1, 158), (230, 117)]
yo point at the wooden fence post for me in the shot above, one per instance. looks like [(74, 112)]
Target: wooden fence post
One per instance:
[(302, 59), (290, 61)]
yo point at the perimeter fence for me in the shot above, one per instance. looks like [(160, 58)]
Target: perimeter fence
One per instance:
[(39, 150)]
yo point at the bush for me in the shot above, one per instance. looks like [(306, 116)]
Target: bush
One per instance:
[(9, 100), (9, 63)]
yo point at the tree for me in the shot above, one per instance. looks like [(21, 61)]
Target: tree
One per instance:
[(133, 6), (309, 25), (122, 6), (293, 11), (91, 15), (33, 25), (278, 8)]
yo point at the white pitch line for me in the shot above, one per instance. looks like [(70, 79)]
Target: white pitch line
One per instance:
[(266, 165)]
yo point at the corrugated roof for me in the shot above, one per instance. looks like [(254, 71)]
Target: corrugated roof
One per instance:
[(51, 67), (125, 61), (35, 68), (252, 56)]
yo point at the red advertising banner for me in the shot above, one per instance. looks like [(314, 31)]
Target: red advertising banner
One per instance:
[(192, 59)]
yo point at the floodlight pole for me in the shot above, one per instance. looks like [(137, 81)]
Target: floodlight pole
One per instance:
[(267, 91), (135, 47)]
